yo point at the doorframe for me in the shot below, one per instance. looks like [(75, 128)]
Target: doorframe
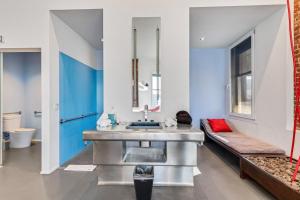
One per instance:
[(18, 50), (1, 109)]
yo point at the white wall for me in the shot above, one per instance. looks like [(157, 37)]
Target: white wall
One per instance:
[(33, 92), (174, 57), (271, 84), (28, 26), (72, 44), (208, 70), (99, 58), (13, 83), (22, 87)]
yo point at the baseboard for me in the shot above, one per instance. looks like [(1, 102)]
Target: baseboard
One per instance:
[(50, 171)]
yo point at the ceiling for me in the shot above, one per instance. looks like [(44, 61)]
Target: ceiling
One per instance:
[(87, 23), (222, 26)]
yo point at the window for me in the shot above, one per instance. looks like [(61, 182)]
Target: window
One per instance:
[(241, 77), (156, 90)]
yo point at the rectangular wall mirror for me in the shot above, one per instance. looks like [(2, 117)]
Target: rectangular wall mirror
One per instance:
[(146, 76)]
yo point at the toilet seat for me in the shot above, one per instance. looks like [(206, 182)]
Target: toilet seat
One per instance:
[(21, 130), (24, 130)]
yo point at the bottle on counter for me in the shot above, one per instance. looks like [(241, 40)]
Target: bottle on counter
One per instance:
[(113, 117)]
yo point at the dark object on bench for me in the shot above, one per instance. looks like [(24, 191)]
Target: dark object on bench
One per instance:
[(276, 187), (183, 117)]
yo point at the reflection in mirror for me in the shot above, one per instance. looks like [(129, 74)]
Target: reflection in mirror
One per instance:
[(146, 77)]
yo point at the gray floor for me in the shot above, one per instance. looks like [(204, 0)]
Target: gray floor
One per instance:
[(20, 179)]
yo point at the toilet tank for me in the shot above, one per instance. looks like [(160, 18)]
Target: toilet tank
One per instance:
[(11, 122)]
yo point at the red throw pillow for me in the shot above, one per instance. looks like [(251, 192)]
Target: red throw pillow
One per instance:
[(219, 125)]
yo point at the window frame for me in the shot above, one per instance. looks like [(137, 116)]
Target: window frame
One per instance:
[(240, 115)]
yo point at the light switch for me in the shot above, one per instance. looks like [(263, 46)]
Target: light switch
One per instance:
[(56, 106)]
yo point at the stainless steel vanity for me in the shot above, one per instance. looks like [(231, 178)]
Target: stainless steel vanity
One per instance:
[(172, 151)]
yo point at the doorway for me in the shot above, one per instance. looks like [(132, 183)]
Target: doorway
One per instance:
[(21, 114), (79, 46)]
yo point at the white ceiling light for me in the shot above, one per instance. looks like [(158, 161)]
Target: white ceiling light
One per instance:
[(202, 38)]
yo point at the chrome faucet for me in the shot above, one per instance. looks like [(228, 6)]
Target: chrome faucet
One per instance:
[(146, 110)]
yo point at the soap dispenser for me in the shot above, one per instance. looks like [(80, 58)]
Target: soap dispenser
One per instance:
[(113, 117)]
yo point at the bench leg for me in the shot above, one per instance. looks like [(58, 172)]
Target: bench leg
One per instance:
[(243, 175)]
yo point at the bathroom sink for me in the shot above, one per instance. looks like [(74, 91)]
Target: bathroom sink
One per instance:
[(144, 125)]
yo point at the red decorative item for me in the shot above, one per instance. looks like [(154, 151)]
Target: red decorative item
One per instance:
[(296, 170), (219, 125), (296, 91)]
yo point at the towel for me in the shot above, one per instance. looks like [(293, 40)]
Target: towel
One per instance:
[(81, 168), (169, 122), (103, 121)]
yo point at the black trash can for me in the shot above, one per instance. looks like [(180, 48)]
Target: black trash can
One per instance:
[(143, 181)]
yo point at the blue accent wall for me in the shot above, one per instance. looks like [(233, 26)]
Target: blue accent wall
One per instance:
[(100, 89), (79, 86), (207, 83)]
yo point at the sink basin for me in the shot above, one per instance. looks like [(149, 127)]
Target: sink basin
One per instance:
[(144, 125)]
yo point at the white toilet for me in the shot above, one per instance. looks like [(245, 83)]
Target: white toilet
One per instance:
[(19, 137)]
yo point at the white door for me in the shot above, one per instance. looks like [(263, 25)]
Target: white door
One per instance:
[(1, 103)]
